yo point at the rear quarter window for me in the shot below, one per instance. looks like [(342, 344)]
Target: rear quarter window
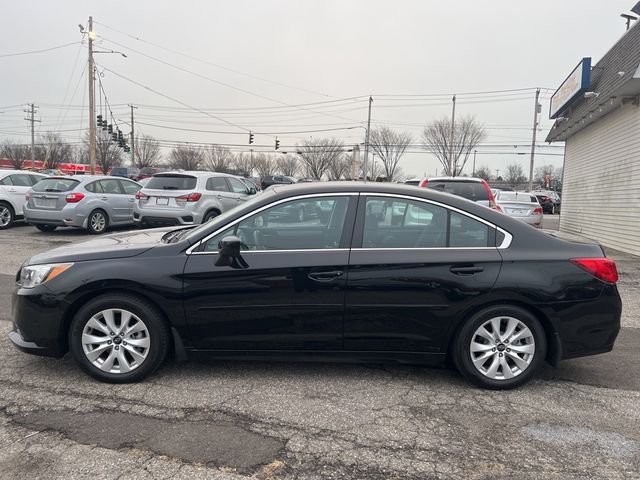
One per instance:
[(55, 185), (172, 182), (474, 191)]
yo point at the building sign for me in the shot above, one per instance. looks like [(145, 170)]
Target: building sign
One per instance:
[(576, 83)]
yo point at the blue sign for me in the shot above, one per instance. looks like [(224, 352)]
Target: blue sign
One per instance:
[(578, 81)]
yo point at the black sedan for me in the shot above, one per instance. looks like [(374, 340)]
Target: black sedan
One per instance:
[(433, 277)]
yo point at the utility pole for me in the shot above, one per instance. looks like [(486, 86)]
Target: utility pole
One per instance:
[(474, 163), (451, 138), (92, 113), (536, 110), (32, 119), (366, 142), (133, 140)]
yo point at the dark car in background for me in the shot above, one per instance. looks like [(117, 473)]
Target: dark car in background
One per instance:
[(452, 280), (474, 189), (269, 180), (125, 172), (549, 201)]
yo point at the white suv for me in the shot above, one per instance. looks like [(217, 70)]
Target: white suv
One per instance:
[(14, 185), (187, 198)]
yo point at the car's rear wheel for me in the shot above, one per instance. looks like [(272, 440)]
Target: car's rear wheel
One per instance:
[(46, 228), (98, 222), (7, 216), (210, 215), (119, 338), (500, 347)]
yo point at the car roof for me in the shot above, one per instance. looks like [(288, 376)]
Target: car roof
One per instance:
[(4, 173), (86, 178), (454, 179), (193, 173)]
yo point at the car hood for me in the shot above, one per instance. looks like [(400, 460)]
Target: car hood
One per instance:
[(119, 245)]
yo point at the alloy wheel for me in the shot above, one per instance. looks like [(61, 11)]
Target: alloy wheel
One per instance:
[(5, 216), (116, 341), (502, 348), (98, 221)]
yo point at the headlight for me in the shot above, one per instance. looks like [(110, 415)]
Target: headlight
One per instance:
[(33, 275)]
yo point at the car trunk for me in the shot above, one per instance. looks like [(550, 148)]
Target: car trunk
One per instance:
[(163, 191), (518, 209), (51, 194)]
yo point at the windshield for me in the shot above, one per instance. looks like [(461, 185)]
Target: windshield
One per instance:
[(223, 218), (55, 185), (172, 182), (474, 191)]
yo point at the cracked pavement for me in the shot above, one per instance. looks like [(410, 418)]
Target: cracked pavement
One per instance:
[(238, 420)]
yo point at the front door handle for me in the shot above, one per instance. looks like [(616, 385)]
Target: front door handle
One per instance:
[(325, 276), (466, 270)]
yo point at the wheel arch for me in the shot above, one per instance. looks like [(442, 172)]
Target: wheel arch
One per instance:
[(123, 287), (212, 208), (553, 353)]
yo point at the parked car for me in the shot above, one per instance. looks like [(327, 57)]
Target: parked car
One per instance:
[(14, 184), (147, 172), (521, 205), (474, 189), (125, 172), (92, 202), (187, 198), (458, 281), (413, 181), (269, 180), (549, 201)]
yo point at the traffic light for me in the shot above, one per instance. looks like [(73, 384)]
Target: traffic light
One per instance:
[(99, 120), (277, 143), (250, 138), (110, 129), (120, 137)]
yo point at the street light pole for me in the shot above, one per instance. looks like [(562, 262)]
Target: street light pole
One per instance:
[(366, 142), (473, 173), (451, 138), (533, 140)]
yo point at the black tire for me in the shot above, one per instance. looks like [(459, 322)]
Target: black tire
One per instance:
[(7, 215), (209, 215), (462, 347), (98, 222), (159, 336), (46, 228)]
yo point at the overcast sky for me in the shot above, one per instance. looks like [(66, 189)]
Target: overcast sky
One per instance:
[(252, 63)]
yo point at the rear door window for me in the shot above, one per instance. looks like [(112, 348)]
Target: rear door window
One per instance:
[(474, 191), (172, 182), (110, 186), (55, 185), (21, 180), (217, 184), (467, 232)]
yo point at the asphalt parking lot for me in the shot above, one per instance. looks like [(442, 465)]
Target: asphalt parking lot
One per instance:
[(234, 420)]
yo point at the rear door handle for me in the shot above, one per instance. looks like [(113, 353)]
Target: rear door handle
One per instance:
[(325, 276), (466, 270), (104, 198)]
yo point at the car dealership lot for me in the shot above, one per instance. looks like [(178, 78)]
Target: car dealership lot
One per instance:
[(272, 420)]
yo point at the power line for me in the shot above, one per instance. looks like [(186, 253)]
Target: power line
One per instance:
[(39, 51)]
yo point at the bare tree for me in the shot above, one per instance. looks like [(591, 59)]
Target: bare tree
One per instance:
[(147, 152), (483, 172), (375, 169), (514, 174), (389, 145), (318, 154), (263, 164), (218, 159), (542, 172), (288, 165), (467, 134), (15, 152), (243, 164), (53, 150), (186, 157), (340, 167)]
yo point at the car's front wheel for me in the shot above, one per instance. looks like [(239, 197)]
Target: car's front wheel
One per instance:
[(119, 338), (500, 347)]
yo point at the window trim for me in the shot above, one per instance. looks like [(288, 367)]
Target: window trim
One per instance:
[(192, 250)]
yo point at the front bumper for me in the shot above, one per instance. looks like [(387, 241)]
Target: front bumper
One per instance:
[(37, 322)]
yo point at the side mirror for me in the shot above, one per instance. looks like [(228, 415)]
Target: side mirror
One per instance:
[(229, 253), (252, 191)]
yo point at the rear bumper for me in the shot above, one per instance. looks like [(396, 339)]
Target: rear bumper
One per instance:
[(66, 217), (158, 216)]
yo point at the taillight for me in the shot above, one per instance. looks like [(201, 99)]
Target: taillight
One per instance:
[(537, 211), (26, 197), (602, 268), (546, 199), (141, 196), (74, 197), (192, 197), (423, 183), (492, 200)]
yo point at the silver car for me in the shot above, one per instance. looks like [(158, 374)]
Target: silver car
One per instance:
[(14, 184), (521, 205), (187, 198), (90, 202)]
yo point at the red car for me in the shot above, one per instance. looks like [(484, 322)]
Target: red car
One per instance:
[(474, 189)]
